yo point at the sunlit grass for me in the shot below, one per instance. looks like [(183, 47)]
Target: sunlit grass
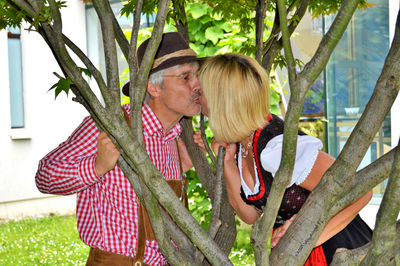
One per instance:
[(54, 240), (47, 241), (242, 252)]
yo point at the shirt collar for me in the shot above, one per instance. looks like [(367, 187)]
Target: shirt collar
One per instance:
[(152, 125)]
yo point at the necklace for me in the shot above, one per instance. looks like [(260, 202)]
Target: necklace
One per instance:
[(245, 150)]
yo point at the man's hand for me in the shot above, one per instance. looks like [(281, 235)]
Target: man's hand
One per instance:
[(280, 231), (107, 154), (185, 158), (198, 140)]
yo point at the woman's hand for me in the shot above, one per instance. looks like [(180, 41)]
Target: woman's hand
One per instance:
[(279, 232), (231, 149), (214, 144)]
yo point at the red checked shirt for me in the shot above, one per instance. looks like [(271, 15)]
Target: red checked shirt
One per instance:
[(106, 206)]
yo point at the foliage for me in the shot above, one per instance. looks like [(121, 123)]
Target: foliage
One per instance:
[(63, 84), (10, 17), (210, 34), (54, 240), (243, 9), (51, 240), (329, 7), (219, 24), (314, 128), (242, 252)]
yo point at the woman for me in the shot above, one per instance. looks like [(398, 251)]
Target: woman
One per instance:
[(236, 100)]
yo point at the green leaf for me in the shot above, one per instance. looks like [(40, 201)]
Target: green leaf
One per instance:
[(214, 34), (86, 72), (275, 110), (205, 19), (194, 26), (64, 84), (198, 11), (199, 36), (274, 98), (225, 49), (226, 26)]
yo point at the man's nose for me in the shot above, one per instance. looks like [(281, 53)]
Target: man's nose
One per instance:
[(195, 83)]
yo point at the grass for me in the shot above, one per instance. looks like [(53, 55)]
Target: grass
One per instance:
[(51, 240), (242, 252), (54, 240)]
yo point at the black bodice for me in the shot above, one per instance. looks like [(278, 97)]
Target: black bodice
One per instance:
[(294, 196)]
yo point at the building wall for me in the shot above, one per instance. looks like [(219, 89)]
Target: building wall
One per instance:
[(47, 121)]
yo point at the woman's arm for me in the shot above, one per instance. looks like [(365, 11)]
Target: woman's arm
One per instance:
[(246, 213), (345, 216), (338, 222)]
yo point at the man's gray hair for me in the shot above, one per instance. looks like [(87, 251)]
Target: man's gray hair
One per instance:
[(157, 78)]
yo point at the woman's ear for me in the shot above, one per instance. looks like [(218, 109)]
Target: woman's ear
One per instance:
[(153, 89)]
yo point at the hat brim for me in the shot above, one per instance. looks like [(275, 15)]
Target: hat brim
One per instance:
[(167, 64)]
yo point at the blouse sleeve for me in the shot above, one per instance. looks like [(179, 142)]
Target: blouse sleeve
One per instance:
[(306, 154)]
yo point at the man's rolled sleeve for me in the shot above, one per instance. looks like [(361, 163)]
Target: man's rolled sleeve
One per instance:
[(87, 170)]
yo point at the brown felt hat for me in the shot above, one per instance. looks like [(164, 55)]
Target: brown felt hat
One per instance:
[(173, 50)]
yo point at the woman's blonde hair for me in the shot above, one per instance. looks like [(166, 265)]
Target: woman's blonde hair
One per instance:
[(236, 89)]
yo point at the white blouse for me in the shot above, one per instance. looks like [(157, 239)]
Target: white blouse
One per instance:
[(306, 155)]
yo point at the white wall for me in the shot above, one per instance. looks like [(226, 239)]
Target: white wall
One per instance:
[(47, 121)]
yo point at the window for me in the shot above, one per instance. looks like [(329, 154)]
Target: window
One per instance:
[(15, 76), (351, 76)]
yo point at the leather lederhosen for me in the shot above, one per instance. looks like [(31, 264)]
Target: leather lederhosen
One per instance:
[(99, 257)]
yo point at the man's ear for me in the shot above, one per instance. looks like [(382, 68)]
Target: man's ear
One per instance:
[(153, 89)]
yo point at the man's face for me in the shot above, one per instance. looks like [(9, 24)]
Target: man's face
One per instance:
[(181, 93)]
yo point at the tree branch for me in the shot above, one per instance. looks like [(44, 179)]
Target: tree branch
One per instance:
[(106, 18), (290, 62), (133, 68), (297, 251), (369, 177), (349, 257), (23, 6), (261, 9), (328, 43), (180, 18), (384, 247), (119, 35), (204, 138), (273, 45), (263, 228), (184, 244), (385, 242), (89, 65), (140, 83), (215, 222), (226, 235)]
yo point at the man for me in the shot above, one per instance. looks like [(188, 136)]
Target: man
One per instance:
[(110, 219)]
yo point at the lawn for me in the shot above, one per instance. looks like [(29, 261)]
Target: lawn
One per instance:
[(54, 240), (51, 240)]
